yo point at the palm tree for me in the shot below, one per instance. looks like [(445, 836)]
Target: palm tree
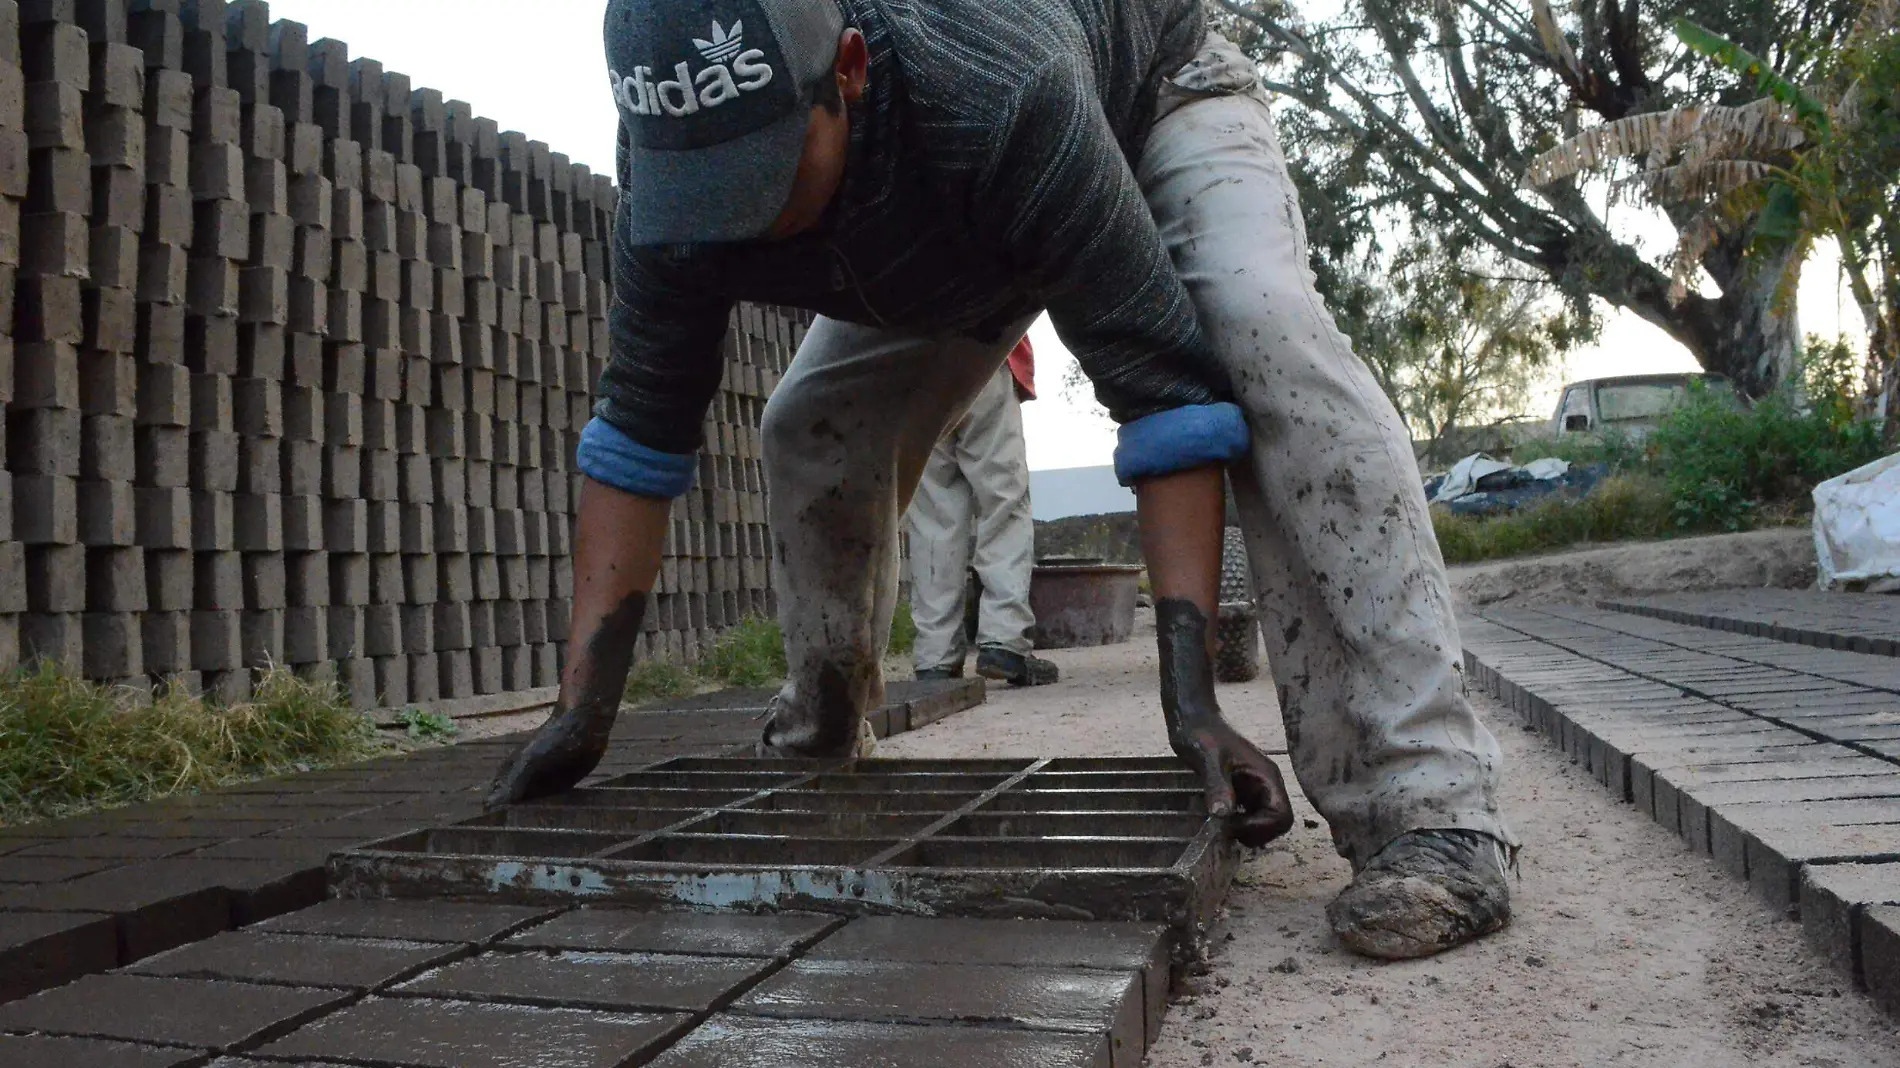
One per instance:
[(1796, 164)]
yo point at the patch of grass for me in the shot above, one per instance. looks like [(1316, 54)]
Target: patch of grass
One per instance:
[(427, 726), (749, 654), (1621, 508), (651, 679), (903, 630), (68, 745)]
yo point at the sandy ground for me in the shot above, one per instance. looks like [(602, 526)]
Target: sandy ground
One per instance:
[(1627, 949)]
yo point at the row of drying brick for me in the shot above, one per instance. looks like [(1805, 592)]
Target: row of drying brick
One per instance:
[(457, 985), (300, 307), (1812, 824), (1851, 622)]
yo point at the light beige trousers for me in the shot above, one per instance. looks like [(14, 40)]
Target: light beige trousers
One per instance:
[(971, 510), (1349, 580)]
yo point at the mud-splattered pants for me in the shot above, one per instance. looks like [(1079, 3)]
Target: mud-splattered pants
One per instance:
[(971, 510), (1350, 584)]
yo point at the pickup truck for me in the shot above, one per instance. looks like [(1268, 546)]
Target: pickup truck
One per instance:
[(1631, 405)]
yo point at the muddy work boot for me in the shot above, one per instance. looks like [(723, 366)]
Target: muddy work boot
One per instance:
[(940, 672), (1426, 892), (1017, 669)]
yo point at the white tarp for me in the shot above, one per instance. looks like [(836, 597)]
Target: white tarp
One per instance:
[(1464, 477), (1857, 524), (1547, 468)]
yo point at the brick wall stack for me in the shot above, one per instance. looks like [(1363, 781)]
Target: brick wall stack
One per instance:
[(297, 359)]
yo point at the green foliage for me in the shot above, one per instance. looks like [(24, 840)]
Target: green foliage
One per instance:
[(1621, 508), (651, 679), (427, 726), (1723, 465), (1617, 450), (750, 654), (903, 630), (1739, 60), (67, 744)]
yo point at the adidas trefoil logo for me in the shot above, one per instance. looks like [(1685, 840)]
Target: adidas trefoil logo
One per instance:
[(724, 44), (734, 69)]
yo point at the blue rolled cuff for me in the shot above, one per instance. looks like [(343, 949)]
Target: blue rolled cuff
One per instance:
[(1180, 439), (607, 455)]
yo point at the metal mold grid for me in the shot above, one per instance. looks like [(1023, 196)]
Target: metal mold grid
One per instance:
[(1080, 838)]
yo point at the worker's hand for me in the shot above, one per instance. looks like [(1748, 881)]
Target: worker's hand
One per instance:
[(1243, 784), (563, 752)]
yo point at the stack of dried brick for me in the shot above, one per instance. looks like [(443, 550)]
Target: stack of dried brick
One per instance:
[(298, 357)]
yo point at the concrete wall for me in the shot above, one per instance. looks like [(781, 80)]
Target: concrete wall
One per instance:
[(298, 355)]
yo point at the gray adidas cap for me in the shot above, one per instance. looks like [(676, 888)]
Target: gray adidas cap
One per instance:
[(714, 99)]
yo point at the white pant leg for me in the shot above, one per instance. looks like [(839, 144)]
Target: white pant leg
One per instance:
[(1355, 606), (991, 454), (942, 522), (846, 436)]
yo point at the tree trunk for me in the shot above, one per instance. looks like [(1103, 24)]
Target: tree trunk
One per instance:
[(1757, 340)]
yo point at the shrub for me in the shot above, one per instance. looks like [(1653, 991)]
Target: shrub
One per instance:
[(1618, 451), (1723, 465), (1621, 507), (68, 744)]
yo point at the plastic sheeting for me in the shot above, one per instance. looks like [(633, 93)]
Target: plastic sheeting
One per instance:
[(1464, 476), (1857, 525)]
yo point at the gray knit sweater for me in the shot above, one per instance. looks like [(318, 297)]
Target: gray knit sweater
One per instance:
[(989, 177)]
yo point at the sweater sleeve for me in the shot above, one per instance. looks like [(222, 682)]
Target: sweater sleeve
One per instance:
[(663, 369), (1059, 198)]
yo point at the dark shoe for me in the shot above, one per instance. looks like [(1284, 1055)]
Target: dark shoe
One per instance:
[(1427, 892), (1017, 669), (946, 671)]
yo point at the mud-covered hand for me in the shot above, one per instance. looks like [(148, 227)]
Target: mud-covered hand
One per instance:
[(570, 744), (1243, 785)]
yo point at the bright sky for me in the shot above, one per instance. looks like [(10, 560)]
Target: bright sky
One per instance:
[(541, 69)]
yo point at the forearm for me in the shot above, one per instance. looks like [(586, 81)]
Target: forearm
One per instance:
[(1181, 517), (618, 538)]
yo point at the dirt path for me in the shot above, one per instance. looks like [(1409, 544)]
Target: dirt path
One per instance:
[(1781, 557), (1627, 949)]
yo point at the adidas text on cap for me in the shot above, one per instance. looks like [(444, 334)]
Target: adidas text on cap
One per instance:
[(714, 101)]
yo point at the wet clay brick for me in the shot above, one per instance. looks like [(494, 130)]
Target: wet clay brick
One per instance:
[(677, 932), (451, 1034), (419, 921), (1035, 999), (612, 981), (46, 1051), (34, 870), (118, 848), (1124, 947), (1880, 955), (742, 1042), (44, 949), (155, 913), (177, 1012), (299, 960)]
